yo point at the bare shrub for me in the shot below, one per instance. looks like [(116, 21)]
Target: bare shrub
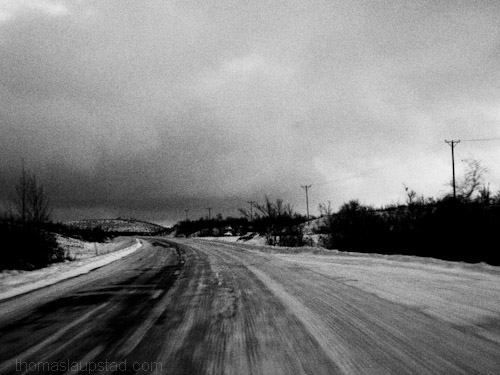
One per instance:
[(31, 200)]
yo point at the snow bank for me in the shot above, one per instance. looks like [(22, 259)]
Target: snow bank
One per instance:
[(77, 249), (456, 292), (13, 283), (223, 239)]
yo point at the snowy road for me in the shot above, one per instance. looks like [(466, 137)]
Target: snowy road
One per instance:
[(210, 308)]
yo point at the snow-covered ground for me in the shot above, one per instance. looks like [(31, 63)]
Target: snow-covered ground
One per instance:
[(86, 257), (77, 249), (460, 293), (256, 240), (225, 238)]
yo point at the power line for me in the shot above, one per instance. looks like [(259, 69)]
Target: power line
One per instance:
[(480, 139), (399, 161), (411, 157), (435, 147)]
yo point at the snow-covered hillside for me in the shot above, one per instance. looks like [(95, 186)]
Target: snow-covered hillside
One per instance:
[(119, 225)]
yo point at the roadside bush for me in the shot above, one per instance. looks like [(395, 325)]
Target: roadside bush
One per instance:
[(212, 227), (356, 228), (450, 229), (279, 223), (27, 247), (94, 234)]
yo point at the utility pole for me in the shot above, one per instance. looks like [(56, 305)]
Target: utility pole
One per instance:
[(452, 143), (209, 210), (251, 203), (187, 214), (306, 187)]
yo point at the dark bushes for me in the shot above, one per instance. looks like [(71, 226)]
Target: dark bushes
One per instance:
[(212, 227), (281, 230), (25, 242), (91, 234), (355, 227), (25, 246), (448, 229)]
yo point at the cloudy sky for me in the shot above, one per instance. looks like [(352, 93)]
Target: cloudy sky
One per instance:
[(148, 108)]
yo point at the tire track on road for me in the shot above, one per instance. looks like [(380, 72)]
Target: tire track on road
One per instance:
[(260, 335)]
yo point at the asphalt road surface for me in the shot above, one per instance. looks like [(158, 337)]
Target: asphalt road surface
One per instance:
[(197, 307)]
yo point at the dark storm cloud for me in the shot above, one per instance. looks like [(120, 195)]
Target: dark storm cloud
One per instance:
[(143, 106)]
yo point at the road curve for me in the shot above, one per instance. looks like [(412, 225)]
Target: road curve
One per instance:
[(195, 307)]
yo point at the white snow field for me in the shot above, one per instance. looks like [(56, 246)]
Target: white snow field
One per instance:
[(466, 295)]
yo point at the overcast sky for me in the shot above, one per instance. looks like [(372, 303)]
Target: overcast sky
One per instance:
[(148, 108)]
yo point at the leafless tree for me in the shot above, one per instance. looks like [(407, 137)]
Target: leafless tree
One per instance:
[(325, 210), (279, 219), (38, 201), (473, 178), (484, 195), (244, 212), (411, 195), (21, 195), (31, 200), (275, 210), (327, 218)]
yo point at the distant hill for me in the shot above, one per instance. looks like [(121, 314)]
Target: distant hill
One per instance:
[(120, 226)]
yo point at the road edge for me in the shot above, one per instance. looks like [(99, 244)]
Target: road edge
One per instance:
[(97, 262)]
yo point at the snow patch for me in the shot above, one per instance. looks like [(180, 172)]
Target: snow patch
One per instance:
[(459, 293)]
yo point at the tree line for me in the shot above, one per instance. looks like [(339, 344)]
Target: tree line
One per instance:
[(461, 228), (276, 220)]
